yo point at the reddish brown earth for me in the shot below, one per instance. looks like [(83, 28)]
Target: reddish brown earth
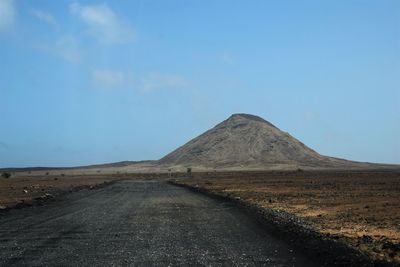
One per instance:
[(359, 208)]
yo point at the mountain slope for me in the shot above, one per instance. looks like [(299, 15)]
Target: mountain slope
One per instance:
[(247, 141)]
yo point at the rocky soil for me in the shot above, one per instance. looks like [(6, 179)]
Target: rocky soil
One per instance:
[(361, 209)]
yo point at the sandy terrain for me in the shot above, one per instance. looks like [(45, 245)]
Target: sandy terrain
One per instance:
[(359, 208)]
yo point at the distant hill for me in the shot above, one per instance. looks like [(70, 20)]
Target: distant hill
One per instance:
[(242, 142), (248, 141), (96, 166)]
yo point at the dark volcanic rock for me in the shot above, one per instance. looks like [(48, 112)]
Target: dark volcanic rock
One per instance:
[(245, 141)]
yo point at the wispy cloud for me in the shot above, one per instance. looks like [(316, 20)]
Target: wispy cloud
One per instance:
[(103, 23), (65, 47), (146, 83), (68, 48), (156, 81), (44, 16), (109, 79), (7, 14)]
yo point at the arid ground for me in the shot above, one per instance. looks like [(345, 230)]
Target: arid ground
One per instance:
[(141, 223), (359, 208), (25, 189)]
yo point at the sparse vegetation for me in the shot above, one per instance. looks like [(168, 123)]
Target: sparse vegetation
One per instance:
[(189, 170), (12, 190), (6, 175)]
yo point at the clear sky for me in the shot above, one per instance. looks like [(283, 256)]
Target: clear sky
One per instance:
[(85, 82)]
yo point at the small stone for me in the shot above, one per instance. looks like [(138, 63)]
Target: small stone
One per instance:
[(367, 239)]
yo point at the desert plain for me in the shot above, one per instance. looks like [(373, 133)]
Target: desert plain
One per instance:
[(358, 208)]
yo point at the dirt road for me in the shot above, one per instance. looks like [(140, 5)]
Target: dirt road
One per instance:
[(143, 224)]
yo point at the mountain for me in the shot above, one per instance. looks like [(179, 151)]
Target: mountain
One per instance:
[(242, 142), (248, 141)]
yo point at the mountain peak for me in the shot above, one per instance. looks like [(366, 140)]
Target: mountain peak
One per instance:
[(246, 116), (246, 141), (240, 116)]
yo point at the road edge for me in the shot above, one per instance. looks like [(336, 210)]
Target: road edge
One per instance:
[(54, 196), (328, 251)]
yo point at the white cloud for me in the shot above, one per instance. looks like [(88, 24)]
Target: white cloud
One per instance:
[(112, 79), (68, 48), (103, 23), (44, 16), (109, 79), (7, 14), (156, 81), (65, 47)]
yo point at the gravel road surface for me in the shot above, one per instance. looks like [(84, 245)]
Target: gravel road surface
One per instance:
[(146, 223)]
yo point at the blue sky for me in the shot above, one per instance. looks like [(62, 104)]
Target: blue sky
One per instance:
[(85, 82)]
